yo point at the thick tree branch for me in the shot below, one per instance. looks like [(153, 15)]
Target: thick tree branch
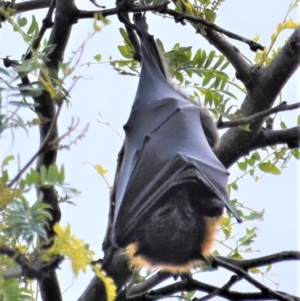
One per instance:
[(18, 8), (263, 88), (242, 67), (25, 6), (268, 137)]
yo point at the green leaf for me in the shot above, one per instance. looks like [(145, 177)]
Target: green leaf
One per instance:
[(125, 37), (283, 125), (208, 98), (8, 159), (219, 62), (217, 83), (48, 49), (5, 177), (235, 186), (100, 169), (256, 156), (179, 77), (34, 27), (210, 59), (104, 20), (207, 79), (43, 174), (197, 57), (242, 165), (269, 267), (227, 232), (61, 175), (52, 174), (254, 270), (296, 153), (22, 21), (98, 57), (225, 66), (125, 51), (251, 231), (178, 8), (202, 59), (269, 167)]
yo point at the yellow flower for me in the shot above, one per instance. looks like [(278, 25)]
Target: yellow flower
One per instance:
[(66, 244), (110, 287), (7, 195)]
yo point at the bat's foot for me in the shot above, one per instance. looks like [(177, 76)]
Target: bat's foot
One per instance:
[(140, 23)]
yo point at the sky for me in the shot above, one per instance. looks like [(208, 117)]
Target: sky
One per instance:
[(101, 91)]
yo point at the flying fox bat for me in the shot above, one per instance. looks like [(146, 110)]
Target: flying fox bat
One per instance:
[(171, 189)]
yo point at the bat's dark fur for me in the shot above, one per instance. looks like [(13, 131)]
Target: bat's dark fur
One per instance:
[(171, 189)]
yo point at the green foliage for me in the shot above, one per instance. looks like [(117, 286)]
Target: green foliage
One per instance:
[(13, 290), (24, 222), (265, 57)]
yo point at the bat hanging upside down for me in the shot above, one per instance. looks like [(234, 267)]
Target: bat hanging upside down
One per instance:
[(170, 189)]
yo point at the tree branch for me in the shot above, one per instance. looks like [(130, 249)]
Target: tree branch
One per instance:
[(32, 269), (178, 17), (265, 290), (190, 284), (239, 63), (25, 6), (268, 137), (262, 261), (247, 120), (156, 279)]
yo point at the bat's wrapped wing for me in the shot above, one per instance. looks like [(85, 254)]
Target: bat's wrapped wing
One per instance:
[(170, 188), (165, 146)]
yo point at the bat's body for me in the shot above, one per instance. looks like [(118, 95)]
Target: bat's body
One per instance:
[(171, 189)]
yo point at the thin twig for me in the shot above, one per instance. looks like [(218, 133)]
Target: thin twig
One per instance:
[(247, 120)]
